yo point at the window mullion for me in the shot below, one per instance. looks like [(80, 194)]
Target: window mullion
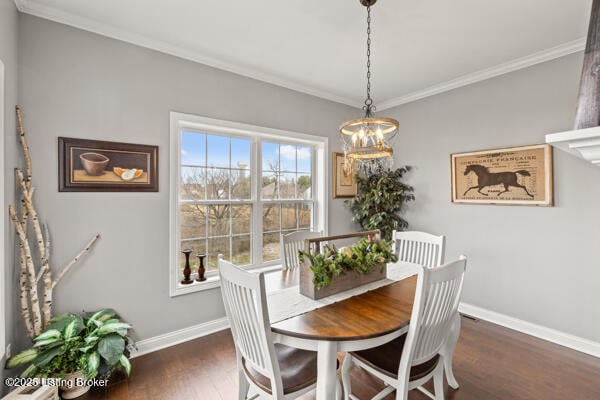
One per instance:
[(229, 197), (207, 210), (257, 228)]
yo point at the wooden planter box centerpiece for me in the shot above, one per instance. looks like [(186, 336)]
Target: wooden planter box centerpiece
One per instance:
[(325, 270)]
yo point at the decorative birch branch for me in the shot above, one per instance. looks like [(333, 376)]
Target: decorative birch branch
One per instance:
[(67, 267), (34, 244)]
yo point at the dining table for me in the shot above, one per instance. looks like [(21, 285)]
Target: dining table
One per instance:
[(351, 321)]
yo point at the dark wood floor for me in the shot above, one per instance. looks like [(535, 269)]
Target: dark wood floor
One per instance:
[(491, 362)]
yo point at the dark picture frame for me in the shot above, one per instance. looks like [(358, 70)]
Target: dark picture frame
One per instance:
[(344, 185), (504, 176), (99, 166)]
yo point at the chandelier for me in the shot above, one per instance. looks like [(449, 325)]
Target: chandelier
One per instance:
[(367, 140)]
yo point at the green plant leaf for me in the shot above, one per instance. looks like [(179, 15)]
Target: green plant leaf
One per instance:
[(47, 356), (28, 371), (93, 362), (70, 330), (86, 348), (101, 316), (90, 339), (125, 363), (112, 327), (61, 321), (46, 342), (23, 357), (48, 334), (111, 348)]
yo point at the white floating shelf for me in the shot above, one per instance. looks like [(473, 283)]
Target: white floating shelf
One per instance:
[(582, 143)]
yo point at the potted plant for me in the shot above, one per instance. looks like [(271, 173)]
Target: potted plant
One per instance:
[(380, 199), (75, 349)]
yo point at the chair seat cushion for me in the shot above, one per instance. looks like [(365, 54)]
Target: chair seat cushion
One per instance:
[(386, 359), (298, 369)]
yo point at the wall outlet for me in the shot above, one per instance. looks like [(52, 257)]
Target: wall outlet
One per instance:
[(8, 352)]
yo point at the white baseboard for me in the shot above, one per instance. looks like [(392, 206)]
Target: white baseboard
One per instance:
[(182, 335), (564, 339)]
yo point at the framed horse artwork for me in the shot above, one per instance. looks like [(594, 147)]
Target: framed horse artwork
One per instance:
[(513, 176)]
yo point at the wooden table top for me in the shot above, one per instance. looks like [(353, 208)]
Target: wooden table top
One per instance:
[(371, 314)]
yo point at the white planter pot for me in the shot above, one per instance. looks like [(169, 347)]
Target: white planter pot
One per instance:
[(71, 390)]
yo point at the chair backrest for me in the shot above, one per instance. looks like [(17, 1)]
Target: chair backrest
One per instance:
[(419, 248), (291, 243), (246, 307), (435, 306)]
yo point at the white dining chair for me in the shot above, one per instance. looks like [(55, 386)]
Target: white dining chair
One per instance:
[(419, 247), (291, 243), (411, 360), (274, 371), (428, 250)]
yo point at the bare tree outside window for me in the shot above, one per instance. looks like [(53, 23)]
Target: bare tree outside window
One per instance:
[(284, 185), (216, 201), (211, 222)]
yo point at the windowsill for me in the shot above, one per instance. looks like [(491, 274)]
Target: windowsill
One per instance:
[(211, 282), (214, 281)]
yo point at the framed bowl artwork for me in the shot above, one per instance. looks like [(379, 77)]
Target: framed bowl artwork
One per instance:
[(98, 166)]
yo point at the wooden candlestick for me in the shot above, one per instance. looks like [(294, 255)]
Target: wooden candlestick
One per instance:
[(201, 268), (187, 270)]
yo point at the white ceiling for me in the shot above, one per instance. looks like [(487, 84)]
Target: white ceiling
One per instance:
[(420, 47)]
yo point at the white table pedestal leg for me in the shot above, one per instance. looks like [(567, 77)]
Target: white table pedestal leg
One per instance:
[(448, 352), (326, 370)]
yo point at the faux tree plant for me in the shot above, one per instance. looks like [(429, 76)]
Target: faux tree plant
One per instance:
[(380, 199)]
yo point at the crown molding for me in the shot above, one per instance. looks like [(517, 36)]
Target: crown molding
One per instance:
[(488, 73), (54, 14), (582, 143), (86, 24)]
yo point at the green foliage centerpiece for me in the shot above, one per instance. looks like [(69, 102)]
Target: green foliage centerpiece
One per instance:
[(361, 258)]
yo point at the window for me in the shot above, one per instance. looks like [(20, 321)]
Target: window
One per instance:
[(235, 189), (286, 193), (215, 207)]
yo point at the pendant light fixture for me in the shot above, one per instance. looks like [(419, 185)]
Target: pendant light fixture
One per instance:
[(367, 141)]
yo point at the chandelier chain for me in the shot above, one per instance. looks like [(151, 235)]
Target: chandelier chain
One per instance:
[(368, 101), (367, 141)]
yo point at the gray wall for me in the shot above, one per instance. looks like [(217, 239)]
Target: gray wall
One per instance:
[(533, 263), (77, 84), (8, 55), (527, 262)]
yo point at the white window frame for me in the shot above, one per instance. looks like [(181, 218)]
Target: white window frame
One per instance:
[(320, 172)]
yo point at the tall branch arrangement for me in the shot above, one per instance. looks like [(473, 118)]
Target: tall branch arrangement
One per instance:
[(34, 246)]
